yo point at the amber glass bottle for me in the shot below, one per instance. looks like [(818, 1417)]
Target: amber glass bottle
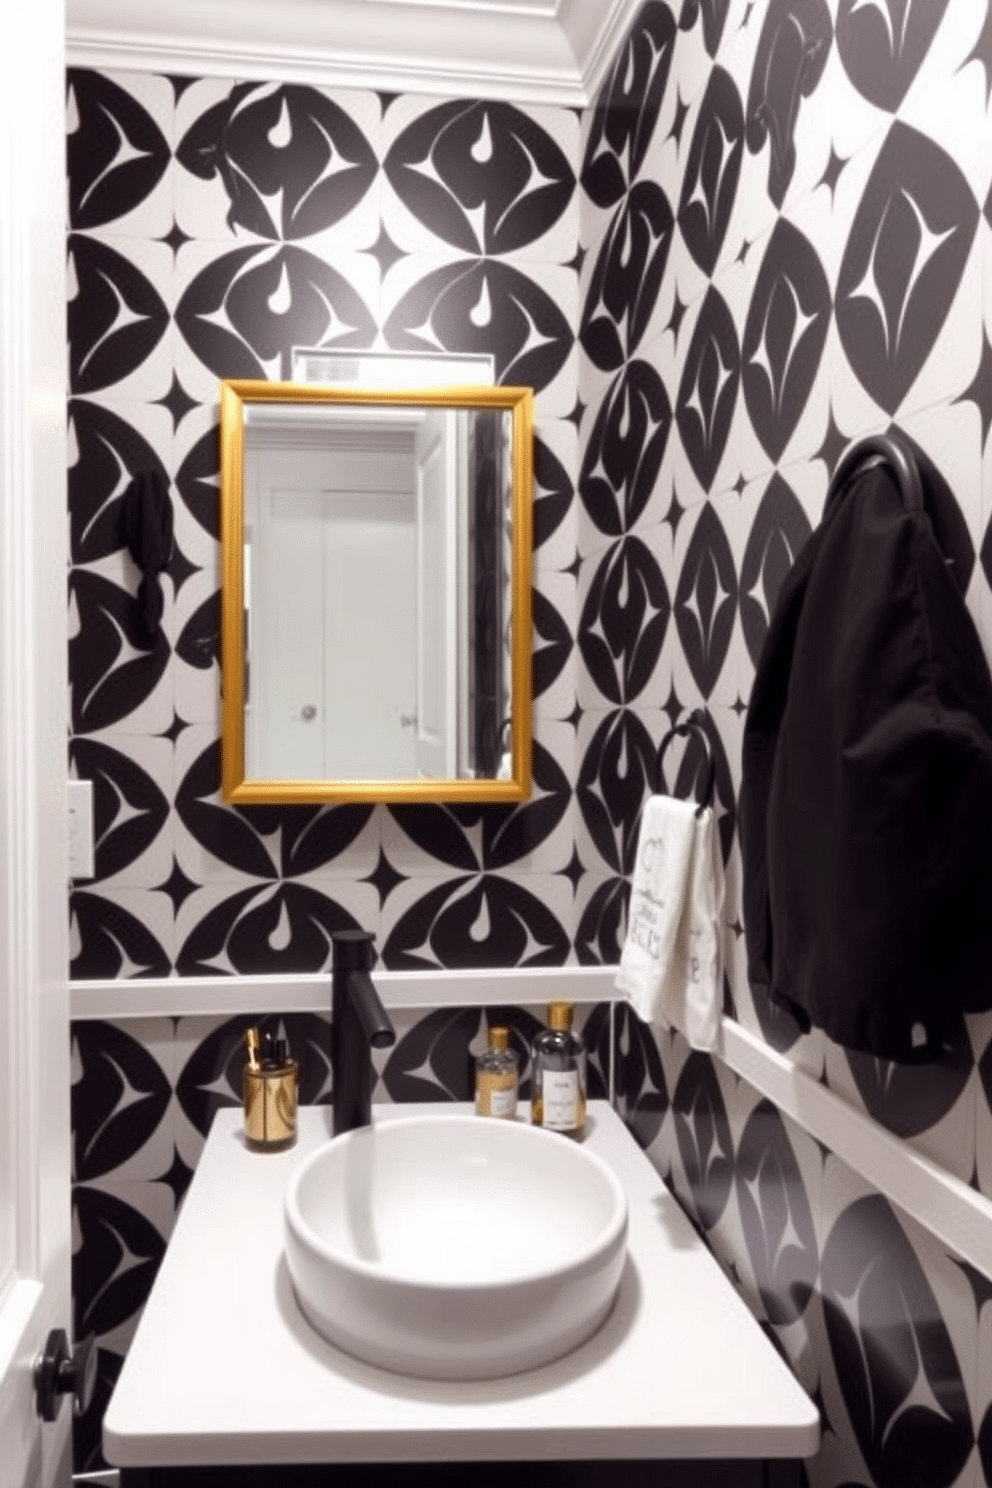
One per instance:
[(497, 1077)]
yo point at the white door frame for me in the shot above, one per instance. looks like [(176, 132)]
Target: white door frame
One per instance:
[(34, 1063)]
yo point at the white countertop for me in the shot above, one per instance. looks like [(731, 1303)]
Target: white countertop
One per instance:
[(224, 1368)]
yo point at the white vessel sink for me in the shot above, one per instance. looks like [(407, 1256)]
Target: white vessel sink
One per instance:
[(455, 1247)]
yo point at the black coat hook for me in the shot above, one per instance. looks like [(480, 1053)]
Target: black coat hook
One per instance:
[(888, 449), (693, 725)]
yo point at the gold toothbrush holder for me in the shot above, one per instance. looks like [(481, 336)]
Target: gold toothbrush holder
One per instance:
[(271, 1097)]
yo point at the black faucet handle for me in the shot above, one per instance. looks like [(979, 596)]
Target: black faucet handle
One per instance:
[(358, 1021), (352, 950)]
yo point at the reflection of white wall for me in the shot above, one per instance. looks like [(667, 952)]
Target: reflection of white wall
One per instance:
[(331, 603)]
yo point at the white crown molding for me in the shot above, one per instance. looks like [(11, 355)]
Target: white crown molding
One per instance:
[(526, 51), (596, 33)]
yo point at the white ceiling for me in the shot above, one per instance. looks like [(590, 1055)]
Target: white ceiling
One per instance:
[(553, 51)]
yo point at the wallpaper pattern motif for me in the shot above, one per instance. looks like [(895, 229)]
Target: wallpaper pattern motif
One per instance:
[(213, 228), (772, 235), (814, 179)]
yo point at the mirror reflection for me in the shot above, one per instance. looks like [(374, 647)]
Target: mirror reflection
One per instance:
[(376, 593)]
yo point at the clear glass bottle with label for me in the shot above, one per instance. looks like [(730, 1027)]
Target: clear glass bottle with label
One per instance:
[(558, 1075), (497, 1077)]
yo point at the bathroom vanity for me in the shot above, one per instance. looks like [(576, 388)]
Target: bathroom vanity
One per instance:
[(227, 1382)]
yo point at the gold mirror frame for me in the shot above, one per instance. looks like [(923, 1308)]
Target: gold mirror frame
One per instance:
[(235, 784)]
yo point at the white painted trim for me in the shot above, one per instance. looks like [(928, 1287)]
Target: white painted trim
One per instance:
[(34, 951), (20, 1303), (407, 48), (141, 997), (119, 53), (597, 55), (956, 1214), (555, 53)]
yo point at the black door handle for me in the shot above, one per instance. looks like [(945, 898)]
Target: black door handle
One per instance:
[(61, 1371)]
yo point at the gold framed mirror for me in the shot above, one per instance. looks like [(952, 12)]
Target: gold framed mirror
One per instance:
[(375, 593)]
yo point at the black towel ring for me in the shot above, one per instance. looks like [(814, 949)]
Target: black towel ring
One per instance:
[(895, 453), (692, 725)]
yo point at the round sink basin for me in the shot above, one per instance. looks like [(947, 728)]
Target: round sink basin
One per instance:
[(455, 1247)]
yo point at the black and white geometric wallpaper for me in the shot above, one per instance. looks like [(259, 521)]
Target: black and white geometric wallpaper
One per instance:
[(802, 192), (213, 227), (887, 1331), (772, 235)]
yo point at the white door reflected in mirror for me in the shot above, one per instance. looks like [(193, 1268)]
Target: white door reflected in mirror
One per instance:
[(329, 614), (354, 557)]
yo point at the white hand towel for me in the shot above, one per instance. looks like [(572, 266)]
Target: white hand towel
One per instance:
[(693, 999), (685, 988), (661, 879)]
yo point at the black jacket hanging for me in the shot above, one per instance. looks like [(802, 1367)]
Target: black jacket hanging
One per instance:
[(866, 801)]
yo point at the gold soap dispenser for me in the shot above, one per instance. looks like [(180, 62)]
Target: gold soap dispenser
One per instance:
[(558, 1075), (270, 1087), (497, 1077)]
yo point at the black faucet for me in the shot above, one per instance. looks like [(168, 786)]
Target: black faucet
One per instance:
[(359, 1022)]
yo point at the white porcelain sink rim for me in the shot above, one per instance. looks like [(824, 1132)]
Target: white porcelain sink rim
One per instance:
[(472, 1253), (566, 1152)]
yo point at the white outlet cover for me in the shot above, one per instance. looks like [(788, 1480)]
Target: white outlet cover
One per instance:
[(79, 804)]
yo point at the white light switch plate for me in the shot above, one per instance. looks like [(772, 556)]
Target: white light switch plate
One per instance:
[(79, 799)]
